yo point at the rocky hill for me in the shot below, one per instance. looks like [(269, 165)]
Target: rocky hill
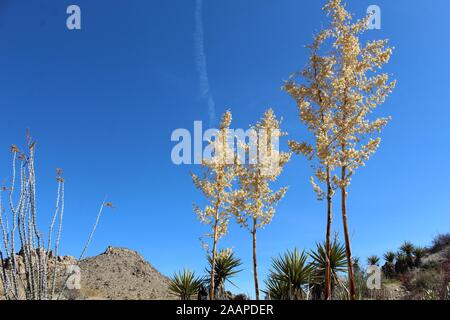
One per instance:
[(120, 274), (116, 274)]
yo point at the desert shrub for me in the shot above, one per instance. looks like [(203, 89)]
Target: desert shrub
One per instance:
[(360, 284), (447, 255), (426, 285), (425, 281), (440, 242), (364, 293), (430, 265), (406, 280)]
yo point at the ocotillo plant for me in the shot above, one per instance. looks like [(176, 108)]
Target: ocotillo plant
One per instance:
[(357, 89), (312, 91), (27, 275), (20, 226), (255, 200), (216, 184)]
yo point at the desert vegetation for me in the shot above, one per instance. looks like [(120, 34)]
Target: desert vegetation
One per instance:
[(255, 201), (216, 185), (30, 267), (336, 96), (423, 272), (185, 285)]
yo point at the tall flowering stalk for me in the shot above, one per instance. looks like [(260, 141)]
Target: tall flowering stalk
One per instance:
[(255, 200), (216, 184), (341, 90), (358, 88), (312, 90)]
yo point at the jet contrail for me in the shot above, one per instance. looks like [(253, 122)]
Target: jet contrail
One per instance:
[(200, 58)]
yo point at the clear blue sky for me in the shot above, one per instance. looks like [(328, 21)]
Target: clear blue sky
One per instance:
[(102, 103)]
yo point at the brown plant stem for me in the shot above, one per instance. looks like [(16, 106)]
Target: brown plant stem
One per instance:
[(255, 264), (328, 292), (348, 250)]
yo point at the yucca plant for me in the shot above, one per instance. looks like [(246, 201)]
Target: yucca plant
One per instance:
[(255, 199), (216, 185), (338, 264), (401, 264), (418, 253), (226, 266), (373, 260), (389, 266), (276, 289), (389, 257), (407, 248), (359, 87), (184, 284), (292, 274)]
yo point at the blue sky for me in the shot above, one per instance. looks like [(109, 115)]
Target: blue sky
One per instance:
[(102, 103)]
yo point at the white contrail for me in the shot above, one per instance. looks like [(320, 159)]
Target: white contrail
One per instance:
[(200, 58)]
